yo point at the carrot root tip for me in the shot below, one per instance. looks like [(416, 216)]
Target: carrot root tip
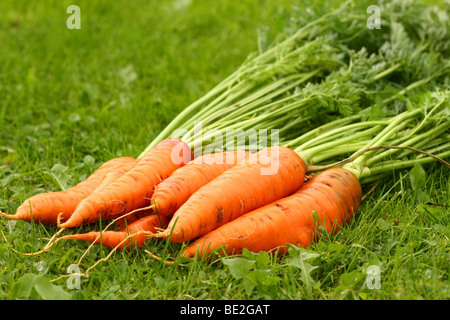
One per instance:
[(8, 216), (159, 258)]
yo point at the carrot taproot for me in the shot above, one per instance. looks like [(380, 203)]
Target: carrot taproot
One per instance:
[(170, 194), (265, 176), (133, 235), (134, 188), (328, 199), (45, 207)]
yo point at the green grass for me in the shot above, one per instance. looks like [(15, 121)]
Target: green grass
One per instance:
[(77, 98)]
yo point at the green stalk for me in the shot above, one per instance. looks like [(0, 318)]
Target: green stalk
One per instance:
[(260, 97), (184, 115), (418, 141), (441, 146), (332, 134), (400, 64), (318, 130), (222, 89), (382, 168), (364, 166), (261, 91), (262, 104), (336, 145), (262, 63), (399, 123), (333, 153), (388, 71)]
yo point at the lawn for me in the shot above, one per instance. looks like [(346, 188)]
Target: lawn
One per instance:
[(71, 99)]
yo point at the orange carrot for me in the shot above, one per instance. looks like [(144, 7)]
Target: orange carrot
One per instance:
[(243, 188), (329, 199), (45, 207), (131, 236), (111, 176), (170, 194), (133, 189)]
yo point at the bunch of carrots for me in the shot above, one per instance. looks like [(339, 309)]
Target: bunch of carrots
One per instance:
[(225, 199), (233, 199)]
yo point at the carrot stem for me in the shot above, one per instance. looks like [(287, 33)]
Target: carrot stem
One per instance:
[(382, 168), (311, 134), (417, 141), (399, 123)]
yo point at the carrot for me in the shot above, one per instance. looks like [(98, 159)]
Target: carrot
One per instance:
[(134, 188), (45, 207), (170, 194), (109, 178), (331, 198), (236, 191), (335, 195), (130, 236)]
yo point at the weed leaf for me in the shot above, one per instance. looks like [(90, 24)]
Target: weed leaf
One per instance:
[(417, 177)]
